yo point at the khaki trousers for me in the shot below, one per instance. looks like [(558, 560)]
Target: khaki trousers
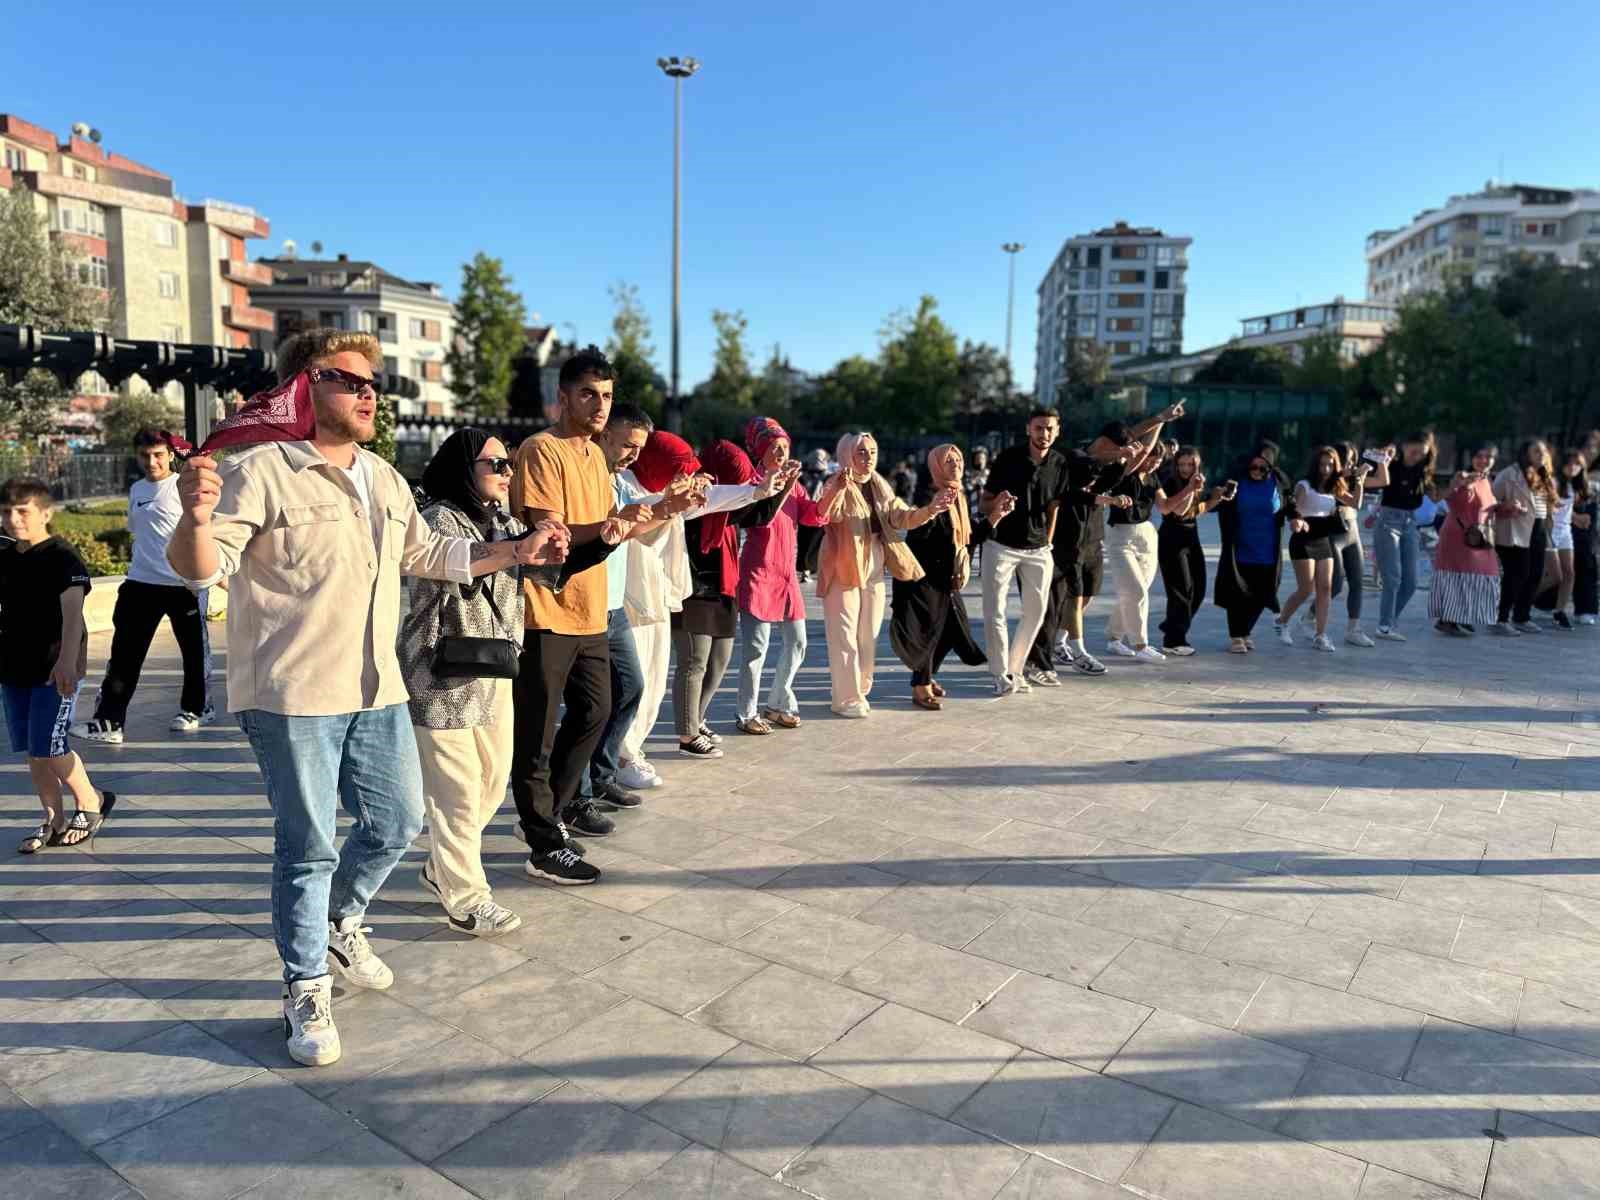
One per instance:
[(464, 775)]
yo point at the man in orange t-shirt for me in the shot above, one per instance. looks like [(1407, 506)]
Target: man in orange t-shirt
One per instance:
[(562, 474)]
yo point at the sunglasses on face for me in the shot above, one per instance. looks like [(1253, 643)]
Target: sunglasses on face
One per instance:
[(348, 380), (500, 466), (1258, 468)]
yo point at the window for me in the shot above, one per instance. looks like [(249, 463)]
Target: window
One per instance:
[(415, 328), (16, 160), (330, 319), (1467, 222), (1127, 252), (391, 366), (1163, 280), (169, 285), (1127, 277), (1073, 279), (1161, 303), (1124, 324), (79, 171), (97, 220), (1093, 259), (1091, 279), (1085, 327), (172, 333), (1279, 322), (166, 233), (1469, 251), (1441, 233), (1161, 327), (1126, 300), (1548, 229), (1125, 347), (1166, 255), (1494, 224), (1089, 304)]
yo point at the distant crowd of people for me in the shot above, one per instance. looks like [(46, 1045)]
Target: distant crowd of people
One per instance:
[(564, 590)]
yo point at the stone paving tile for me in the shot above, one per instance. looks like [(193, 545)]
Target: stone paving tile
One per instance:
[(1200, 1155), (678, 971), (630, 1054), (916, 1059), (706, 1175), (787, 1012), (360, 1167), (815, 941), (1039, 1179), (1157, 917), (1537, 1161), (756, 1106), (1333, 1024), (46, 1037), (949, 916), (1083, 1120), (1384, 808), (1322, 828), (49, 1165), (746, 861), (946, 983), (1385, 1121), (1474, 896), (1279, 895), (1567, 1019), (1043, 887), (1046, 945), (525, 1006), (931, 860), (1440, 987), (1551, 958), (843, 889), (1060, 1019), (1380, 1183), (1177, 981), (570, 934), (888, 1151), (1409, 926)]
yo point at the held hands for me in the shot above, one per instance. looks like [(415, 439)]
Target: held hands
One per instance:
[(777, 481), (1581, 520), (547, 543), (199, 488), (942, 500), (1004, 505), (614, 530), (635, 513), (1298, 526)]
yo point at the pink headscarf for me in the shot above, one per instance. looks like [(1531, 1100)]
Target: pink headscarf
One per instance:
[(759, 435)]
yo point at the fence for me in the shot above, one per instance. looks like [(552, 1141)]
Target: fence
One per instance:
[(72, 476)]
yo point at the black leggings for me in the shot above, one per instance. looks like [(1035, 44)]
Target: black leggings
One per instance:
[(135, 619), (1261, 582), (1521, 571), (1586, 574), (1183, 577)]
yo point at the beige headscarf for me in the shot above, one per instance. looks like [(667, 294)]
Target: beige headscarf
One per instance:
[(943, 478), (852, 503)]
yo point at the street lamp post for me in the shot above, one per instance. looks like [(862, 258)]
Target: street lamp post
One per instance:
[(1011, 249), (677, 69)]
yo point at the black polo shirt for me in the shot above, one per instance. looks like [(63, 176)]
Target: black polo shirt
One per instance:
[(1080, 522), (1036, 486)]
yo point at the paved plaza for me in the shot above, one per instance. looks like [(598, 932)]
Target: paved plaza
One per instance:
[(1298, 925)]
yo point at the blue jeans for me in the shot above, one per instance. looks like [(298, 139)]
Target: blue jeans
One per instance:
[(366, 761), (1395, 545), (754, 636), (627, 689)]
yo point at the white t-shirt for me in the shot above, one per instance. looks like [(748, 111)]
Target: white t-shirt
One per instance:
[(153, 512), (1309, 502), (360, 477)]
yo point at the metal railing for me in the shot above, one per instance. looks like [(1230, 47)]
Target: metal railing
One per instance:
[(71, 477)]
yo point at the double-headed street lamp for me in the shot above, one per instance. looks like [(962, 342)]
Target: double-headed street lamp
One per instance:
[(677, 69), (1011, 249)]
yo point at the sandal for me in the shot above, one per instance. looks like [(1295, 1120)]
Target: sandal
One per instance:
[(923, 697), (84, 825), (782, 720), (44, 836), (754, 725), (936, 689)]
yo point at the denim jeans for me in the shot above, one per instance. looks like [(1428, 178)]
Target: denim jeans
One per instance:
[(754, 637), (1395, 544), (366, 761), (627, 689)]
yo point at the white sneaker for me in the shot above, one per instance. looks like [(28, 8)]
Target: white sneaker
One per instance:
[(97, 730), (1178, 651), (1088, 664), (1321, 642), (855, 710), (1004, 685), (1020, 684), (349, 950), (1386, 634), (1354, 637), (639, 776), (1504, 629), (486, 919), (1119, 648), (1064, 656), (309, 1033), (1586, 619), (1149, 654), (188, 722), (1042, 678), (1283, 633)]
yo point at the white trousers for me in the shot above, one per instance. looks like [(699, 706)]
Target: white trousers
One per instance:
[(1002, 564), (464, 775), (653, 643), (852, 618), (1133, 559)]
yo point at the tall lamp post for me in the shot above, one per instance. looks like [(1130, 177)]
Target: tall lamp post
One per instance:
[(677, 69), (1011, 249)]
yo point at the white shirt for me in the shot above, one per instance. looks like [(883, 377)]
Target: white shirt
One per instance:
[(153, 512), (360, 476), (1309, 502)]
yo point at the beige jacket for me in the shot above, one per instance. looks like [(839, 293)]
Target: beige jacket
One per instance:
[(1513, 529), (847, 559), (314, 602)]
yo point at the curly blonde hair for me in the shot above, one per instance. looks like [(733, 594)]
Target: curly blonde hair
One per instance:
[(310, 346)]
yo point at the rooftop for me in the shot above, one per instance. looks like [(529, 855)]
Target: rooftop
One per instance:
[(358, 274)]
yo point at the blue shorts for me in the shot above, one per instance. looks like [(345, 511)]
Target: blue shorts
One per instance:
[(37, 718)]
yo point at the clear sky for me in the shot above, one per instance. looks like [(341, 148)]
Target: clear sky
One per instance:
[(840, 159)]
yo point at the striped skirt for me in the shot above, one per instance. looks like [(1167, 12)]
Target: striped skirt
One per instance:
[(1464, 597)]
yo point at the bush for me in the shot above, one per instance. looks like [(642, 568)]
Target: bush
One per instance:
[(96, 554)]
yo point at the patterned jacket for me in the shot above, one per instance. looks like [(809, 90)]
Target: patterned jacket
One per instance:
[(443, 609)]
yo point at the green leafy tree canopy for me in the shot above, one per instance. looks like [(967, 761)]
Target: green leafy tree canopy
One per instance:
[(631, 353), (489, 319)]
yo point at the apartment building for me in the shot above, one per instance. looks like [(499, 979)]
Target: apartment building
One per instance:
[(1360, 327), (412, 319), (170, 270), (1123, 286), (1475, 234)]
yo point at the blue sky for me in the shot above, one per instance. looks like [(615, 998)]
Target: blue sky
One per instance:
[(840, 159)]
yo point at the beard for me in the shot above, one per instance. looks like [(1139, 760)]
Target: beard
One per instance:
[(346, 426)]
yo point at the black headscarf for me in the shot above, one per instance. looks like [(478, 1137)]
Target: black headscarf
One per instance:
[(449, 476)]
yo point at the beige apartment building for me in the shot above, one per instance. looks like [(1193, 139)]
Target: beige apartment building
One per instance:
[(1360, 327), (170, 270), (1475, 234), (412, 319)]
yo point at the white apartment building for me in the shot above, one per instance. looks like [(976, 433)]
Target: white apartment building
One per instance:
[(1475, 233), (412, 320), (1123, 287), (1360, 327)]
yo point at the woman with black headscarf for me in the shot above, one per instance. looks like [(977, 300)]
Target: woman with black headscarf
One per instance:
[(463, 722), (1250, 517)]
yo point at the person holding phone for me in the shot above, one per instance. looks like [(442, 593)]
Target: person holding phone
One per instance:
[(1525, 493), (1349, 563), (1465, 592), (1251, 516), (1183, 500), (1396, 538)]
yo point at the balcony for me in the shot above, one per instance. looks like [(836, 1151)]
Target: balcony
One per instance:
[(247, 273), (243, 316)]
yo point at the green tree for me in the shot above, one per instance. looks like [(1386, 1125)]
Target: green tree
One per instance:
[(731, 384), (847, 397), (1322, 364), (1555, 311), (1262, 365), (383, 421), (1082, 399), (632, 355), (489, 333), (127, 414), (38, 287), (983, 379), (921, 372)]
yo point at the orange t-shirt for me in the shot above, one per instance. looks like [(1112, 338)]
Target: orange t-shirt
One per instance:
[(570, 479)]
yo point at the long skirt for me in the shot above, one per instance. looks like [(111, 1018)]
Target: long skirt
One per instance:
[(1464, 597), (930, 622)]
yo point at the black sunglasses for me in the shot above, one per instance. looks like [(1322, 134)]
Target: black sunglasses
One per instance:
[(348, 379), (500, 466)]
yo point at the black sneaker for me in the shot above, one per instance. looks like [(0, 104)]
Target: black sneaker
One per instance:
[(561, 866), (1561, 619), (714, 738), (615, 794), (566, 838), (588, 820), (700, 746)]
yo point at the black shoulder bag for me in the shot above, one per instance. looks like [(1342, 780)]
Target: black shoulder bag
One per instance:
[(458, 657)]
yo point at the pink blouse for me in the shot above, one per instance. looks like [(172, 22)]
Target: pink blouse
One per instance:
[(769, 587)]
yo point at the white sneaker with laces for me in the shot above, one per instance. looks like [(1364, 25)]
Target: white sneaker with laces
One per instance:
[(1088, 664), (1354, 637), (1004, 685), (1283, 633), (1385, 634), (1043, 678), (1149, 654), (1321, 642), (1178, 651), (349, 950), (1064, 657), (309, 1033), (1119, 648), (639, 776), (486, 919), (97, 730), (188, 722)]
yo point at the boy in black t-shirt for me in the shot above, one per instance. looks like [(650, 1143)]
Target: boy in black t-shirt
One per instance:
[(44, 655)]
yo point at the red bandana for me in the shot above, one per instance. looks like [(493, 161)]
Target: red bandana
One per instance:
[(280, 414)]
